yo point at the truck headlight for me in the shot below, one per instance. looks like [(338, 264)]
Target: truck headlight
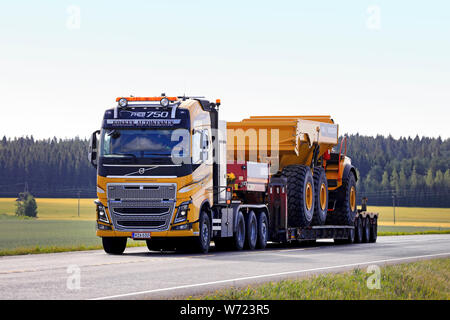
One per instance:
[(101, 214), (182, 212)]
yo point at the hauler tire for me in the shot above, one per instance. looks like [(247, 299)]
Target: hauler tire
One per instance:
[(320, 197), (345, 208), (300, 195)]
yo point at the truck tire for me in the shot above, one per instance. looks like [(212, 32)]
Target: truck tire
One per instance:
[(373, 230), (263, 230), (345, 209), (203, 242), (358, 230), (320, 197), (114, 245), (300, 195), (366, 230), (251, 231), (239, 235)]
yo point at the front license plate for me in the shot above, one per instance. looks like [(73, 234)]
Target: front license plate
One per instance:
[(140, 235)]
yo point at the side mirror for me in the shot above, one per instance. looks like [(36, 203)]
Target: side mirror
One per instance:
[(93, 148), (204, 140)]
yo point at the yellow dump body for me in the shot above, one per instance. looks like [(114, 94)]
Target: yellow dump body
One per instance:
[(280, 140)]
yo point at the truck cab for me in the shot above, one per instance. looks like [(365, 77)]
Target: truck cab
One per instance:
[(155, 170)]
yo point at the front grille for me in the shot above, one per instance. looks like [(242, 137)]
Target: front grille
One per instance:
[(141, 191), (141, 210), (140, 206)]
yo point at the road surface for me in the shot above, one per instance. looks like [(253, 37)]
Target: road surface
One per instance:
[(140, 274)]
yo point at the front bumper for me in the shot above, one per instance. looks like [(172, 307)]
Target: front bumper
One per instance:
[(156, 234)]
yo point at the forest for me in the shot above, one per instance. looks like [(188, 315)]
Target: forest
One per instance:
[(407, 171)]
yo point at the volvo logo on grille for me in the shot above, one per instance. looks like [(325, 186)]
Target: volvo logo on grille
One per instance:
[(141, 170)]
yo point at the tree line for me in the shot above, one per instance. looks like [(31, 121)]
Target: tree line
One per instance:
[(46, 167), (409, 171)]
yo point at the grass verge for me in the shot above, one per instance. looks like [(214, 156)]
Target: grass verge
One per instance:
[(422, 280), (55, 249)]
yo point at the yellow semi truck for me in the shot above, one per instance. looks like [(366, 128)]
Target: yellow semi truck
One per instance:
[(170, 172)]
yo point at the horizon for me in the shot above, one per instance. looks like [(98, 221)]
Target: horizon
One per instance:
[(9, 138)]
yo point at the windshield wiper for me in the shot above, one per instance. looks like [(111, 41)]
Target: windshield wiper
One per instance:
[(122, 155), (168, 155)]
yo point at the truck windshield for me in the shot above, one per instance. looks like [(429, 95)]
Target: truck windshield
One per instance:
[(141, 143)]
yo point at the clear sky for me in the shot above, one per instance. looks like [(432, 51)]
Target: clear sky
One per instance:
[(378, 67)]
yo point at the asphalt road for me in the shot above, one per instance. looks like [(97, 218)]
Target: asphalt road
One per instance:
[(140, 274)]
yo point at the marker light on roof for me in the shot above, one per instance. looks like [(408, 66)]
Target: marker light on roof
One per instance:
[(123, 102), (164, 102)]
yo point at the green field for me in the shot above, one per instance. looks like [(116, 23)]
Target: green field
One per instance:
[(423, 280), (58, 226), (31, 233), (413, 217), (55, 209)]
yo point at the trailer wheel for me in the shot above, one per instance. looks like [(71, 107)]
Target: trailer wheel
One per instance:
[(239, 235), (345, 211), (366, 230), (114, 245), (358, 230), (263, 230), (300, 195), (373, 230), (320, 197)]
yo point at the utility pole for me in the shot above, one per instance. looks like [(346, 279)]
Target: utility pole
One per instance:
[(78, 203), (393, 203)]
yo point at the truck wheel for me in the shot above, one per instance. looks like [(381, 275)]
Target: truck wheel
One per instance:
[(114, 245), (320, 197), (203, 241), (300, 195), (345, 211), (366, 229), (239, 235), (263, 230), (373, 230), (358, 230), (252, 231)]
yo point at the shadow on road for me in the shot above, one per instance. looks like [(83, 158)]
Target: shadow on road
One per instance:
[(183, 252)]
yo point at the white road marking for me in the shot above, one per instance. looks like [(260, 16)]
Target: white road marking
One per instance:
[(267, 275)]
